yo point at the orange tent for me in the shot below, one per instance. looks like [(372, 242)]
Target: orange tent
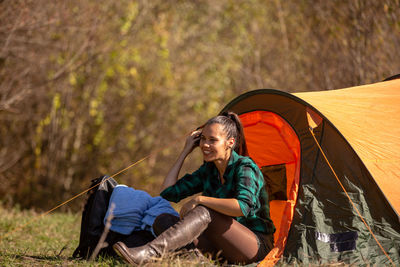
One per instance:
[(333, 159), (368, 116)]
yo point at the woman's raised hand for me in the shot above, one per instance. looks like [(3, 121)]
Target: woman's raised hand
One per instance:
[(192, 141), (172, 175)]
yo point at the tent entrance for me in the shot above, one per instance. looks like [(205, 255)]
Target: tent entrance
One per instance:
[(274, 146)]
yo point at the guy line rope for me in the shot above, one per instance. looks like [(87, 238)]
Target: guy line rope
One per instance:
[(20, 227), (352, 203)]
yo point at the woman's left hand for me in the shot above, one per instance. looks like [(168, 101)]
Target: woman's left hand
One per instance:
[(188, 206)]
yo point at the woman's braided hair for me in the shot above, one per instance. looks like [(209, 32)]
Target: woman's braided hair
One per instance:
[(233, 127)]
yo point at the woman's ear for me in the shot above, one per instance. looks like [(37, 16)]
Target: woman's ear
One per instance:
[(231, 142)]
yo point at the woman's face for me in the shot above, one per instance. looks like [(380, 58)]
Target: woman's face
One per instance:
[(214, 144)]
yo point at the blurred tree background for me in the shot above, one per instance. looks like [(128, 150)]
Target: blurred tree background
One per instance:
[(88, 87)]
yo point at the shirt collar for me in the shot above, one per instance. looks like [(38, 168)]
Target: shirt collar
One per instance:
[(232, 161)]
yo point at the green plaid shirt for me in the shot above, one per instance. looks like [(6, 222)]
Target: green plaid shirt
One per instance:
[(243, 181)]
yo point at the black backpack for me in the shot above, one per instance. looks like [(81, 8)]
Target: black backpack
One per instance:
[(95, 209), (92, 225)]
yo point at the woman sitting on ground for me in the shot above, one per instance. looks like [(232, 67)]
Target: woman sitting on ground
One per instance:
[(232, 214)]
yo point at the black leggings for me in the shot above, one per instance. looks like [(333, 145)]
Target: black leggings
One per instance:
[(235, 242)]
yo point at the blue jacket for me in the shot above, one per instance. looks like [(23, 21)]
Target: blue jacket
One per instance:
[(135, 210)]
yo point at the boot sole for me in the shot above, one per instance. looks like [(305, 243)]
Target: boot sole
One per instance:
[(124, 254)]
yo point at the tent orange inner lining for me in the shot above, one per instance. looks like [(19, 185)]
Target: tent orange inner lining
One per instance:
[(270, 141)]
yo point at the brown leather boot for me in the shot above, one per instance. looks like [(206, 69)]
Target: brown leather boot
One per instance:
[(177, 236), (165, 221)]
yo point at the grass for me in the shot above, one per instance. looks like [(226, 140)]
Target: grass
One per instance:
[(50, 241), (43, 241)]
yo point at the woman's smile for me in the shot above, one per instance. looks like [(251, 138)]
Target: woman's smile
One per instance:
[(206, 154)]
